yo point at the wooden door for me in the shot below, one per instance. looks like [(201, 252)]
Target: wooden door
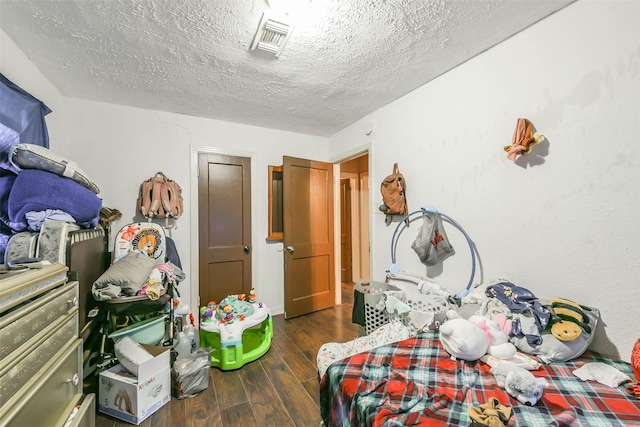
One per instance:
[(224, 226), (308, 236), (346, 265)]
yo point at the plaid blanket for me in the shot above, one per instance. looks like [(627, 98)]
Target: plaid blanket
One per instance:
[(415, 382)]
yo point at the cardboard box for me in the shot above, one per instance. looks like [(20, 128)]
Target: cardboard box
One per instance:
[(133, 398)]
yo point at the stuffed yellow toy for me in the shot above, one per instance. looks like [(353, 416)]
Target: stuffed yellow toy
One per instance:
[(567, 319)]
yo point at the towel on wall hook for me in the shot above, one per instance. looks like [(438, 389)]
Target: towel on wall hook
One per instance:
[(524, 138)]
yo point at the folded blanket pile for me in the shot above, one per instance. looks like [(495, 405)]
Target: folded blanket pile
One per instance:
[(36, 190)]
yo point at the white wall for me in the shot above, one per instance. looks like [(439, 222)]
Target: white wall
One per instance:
[(563, 220), (119, 147)]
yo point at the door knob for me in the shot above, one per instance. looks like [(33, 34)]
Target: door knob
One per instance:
[(290, 249), (247, 249)]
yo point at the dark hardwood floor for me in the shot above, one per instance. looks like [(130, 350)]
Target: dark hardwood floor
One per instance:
[(279, 389)]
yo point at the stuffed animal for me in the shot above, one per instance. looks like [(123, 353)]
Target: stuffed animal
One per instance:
[(462, 339), (567, 319), (519, 383), (498, 341)]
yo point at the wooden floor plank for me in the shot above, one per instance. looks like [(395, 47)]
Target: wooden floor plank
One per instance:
[(169, 415), (302, 409), (229, 388), (300, 365), (238, 415), (312, 386), (266, 405), (202, 410)]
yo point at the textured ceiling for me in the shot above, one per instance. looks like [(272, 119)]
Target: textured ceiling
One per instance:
[(344, 59)]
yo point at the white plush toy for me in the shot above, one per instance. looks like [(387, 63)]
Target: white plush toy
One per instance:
[(463, 339), (499, 345), (519, 383)]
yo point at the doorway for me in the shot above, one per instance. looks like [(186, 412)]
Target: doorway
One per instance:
[(346, 255), (354, 216), (224, 226)]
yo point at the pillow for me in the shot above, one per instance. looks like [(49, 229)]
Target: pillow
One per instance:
[(554, 350), (30, 156), (129, 274)]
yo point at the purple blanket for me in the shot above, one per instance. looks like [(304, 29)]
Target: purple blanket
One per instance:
[(36, 190)]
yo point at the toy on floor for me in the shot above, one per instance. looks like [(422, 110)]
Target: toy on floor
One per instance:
[(236, 331), (519, 383)]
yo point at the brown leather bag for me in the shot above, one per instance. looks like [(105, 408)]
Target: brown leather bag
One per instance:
[(160, 197), (393, 193)]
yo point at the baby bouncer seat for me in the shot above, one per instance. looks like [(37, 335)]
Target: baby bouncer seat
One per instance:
[(238, 330)]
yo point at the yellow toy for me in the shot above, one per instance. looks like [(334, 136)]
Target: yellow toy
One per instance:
[(567, 319)]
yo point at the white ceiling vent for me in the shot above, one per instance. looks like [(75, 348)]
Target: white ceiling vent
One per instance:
[(272, 35)]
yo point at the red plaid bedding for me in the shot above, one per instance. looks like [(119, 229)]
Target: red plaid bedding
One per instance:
[(415, 382)]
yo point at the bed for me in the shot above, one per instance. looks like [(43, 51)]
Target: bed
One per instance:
[(400, 373), (416, 382)]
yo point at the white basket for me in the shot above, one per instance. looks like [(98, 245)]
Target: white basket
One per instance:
[(374, 318), (373, 291)]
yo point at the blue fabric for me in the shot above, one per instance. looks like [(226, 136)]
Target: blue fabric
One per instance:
[(35, 190), (21, 120), (532, 316), (172, 252), (6, 182), (36, 220), (5, 235)]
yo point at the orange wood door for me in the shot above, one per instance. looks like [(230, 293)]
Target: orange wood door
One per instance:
[(308, 236), (346, 265), (224, 226)]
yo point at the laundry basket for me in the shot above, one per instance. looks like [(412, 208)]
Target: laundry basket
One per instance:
[(375, 316), (372, 292)]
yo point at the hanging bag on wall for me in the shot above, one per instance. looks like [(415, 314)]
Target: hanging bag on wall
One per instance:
[(432, 244), (394, 200), (160, 197)]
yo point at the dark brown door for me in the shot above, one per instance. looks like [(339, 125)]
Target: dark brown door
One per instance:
[(345, 231), (224, 226), (308, 236)]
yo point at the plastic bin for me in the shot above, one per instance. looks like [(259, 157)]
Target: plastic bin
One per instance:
[(372, 291), (374, 318)]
